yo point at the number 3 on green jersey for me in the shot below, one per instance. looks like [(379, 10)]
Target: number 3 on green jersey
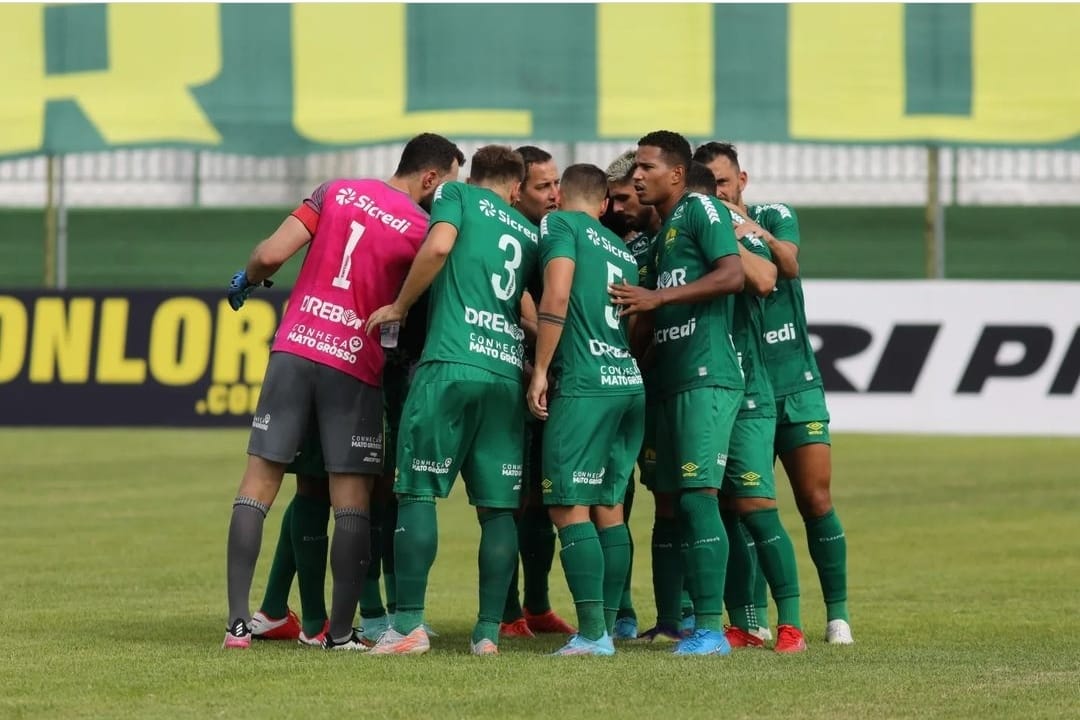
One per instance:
[(475, 314), (511, 244)]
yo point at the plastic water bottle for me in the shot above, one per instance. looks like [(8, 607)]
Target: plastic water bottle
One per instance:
[(388, 334)]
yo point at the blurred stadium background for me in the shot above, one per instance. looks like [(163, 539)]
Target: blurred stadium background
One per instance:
[(870, 211), (910, 149)]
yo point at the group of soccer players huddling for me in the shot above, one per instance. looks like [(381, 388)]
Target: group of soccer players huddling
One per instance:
[(540, 335)]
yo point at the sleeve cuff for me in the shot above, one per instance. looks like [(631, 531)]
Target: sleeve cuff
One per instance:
[(308, 216)]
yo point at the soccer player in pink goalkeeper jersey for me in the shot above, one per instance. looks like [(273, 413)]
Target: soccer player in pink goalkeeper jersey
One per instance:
[(363, 236)]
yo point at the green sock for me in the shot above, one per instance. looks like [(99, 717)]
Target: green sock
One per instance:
[(667, 573), (371, 604), (512, 605), (828, 550), (739, 586), (536, 538), (760, 586), (414, 554), (311, 516), (776, 557), (497, 557), (626, 602), (704, 533), (761, 595), (583, 563), (389, 579), (276, 600), (686, 602), (615, 546)]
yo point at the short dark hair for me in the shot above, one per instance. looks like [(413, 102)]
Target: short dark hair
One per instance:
[(711, 150), (428, 150), (497, 163), (673, 147), (532, 155), (700, 179), (585, 181)]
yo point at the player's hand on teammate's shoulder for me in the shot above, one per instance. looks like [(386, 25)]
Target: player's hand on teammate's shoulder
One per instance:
[(749, 227), (633, 299)]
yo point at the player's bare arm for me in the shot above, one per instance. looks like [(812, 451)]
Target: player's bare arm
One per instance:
[(551, 317), (275, 251), (760, 273), (429, 261), (727, 277), (785, 255)]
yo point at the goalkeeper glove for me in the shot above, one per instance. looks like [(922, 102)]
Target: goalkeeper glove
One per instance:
[(240, 288)]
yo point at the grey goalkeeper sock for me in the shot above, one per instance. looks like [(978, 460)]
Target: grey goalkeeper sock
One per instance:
[(245, 539), (350, 554)]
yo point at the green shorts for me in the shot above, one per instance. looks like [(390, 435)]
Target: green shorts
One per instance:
[(693, 429), (590, 445), (802, 418), (460, 418), (647, 454), (749, 472)]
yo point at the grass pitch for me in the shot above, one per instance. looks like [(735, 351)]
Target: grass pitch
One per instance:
[(964, 560)]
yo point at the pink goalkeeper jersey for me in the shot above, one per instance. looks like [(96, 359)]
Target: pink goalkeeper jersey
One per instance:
[(365, 236)]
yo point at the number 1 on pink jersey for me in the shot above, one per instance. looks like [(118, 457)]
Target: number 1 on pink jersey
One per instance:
[(342, 280)]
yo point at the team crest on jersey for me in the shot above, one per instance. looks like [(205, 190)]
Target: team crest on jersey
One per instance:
[(669, 239), (593, 235), (678, 213), (487, 207)]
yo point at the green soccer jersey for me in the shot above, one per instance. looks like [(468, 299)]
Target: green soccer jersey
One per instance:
[(693, 341), (593, 357), (749, 314), (641, 247), (788, 353), (475, 316)]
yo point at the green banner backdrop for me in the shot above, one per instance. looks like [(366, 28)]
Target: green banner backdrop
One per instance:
[(278, 79)]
